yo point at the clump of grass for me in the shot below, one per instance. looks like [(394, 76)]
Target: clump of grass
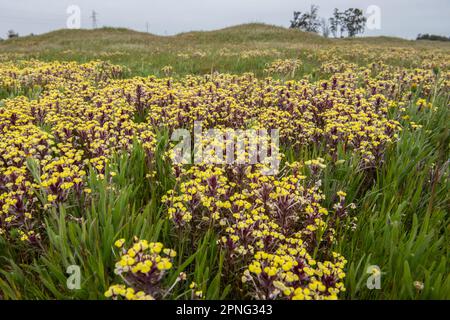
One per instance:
[(403, 218)]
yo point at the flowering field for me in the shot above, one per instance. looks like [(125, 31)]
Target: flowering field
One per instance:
[(93, 204)]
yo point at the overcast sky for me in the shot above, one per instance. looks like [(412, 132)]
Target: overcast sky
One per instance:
[(403, 18)]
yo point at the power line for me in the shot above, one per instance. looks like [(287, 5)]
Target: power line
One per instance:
[(94, 19)]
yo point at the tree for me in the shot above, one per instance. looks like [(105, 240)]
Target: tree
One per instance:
[(354, 21), (12, 34), (351, 21), (307, 21), (336, 23), (432, 37)]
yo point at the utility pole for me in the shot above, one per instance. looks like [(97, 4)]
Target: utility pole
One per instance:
[(146, 26), (94, 19)]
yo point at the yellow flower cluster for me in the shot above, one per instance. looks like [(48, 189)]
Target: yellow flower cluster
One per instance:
[(426, 58), (144, 257), (120, 290), (267, 222), (291, 273), (283, 67), (247, 54), (142, 267), (20, 76), (70, 128)]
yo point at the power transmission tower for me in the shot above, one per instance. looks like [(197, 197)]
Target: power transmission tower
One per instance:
[(94, 19)]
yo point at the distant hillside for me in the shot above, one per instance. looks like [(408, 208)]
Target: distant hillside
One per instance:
[(252, 32), (237, 49), (104, 37)]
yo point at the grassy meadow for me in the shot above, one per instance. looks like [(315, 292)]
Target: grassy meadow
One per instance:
[(87, 177)]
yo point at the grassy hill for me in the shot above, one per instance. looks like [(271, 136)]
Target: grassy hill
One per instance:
[(70, 38), (236, 49)]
